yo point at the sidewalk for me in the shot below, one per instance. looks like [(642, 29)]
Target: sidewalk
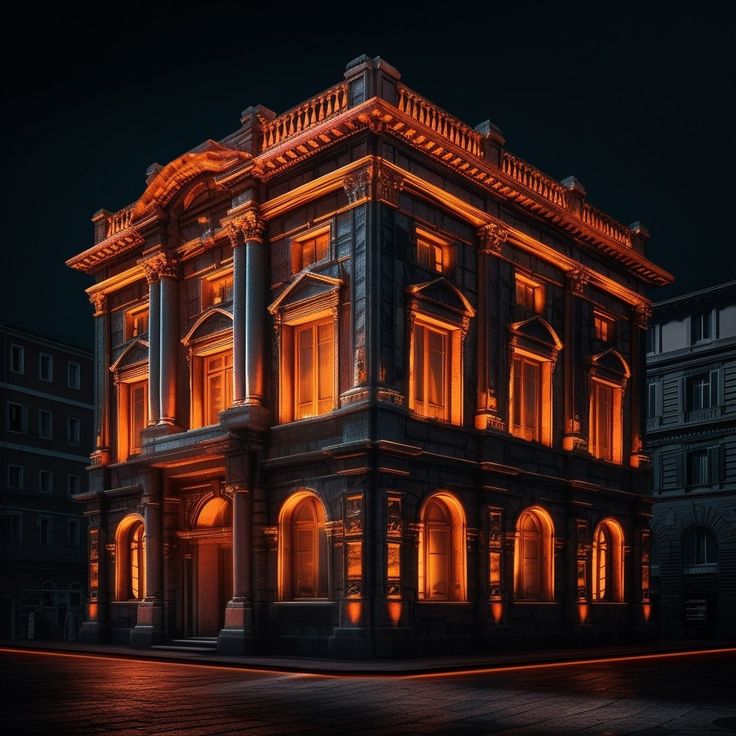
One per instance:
[(400, 667)]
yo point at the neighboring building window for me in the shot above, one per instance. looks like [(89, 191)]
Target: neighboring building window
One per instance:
[(699, 547), (605, 421), (72, 430), (72, 485), (698, 468), (45, 424), (432, 372), (702, 391), (534, 556), (310, 249), (130, 559), (217, 289), (701, 326), (652, 400), (608, 567), (604, 327), (45, 481), (442, 550), (73, 374), (432, 253), (15, 476), (45, 530), (218, 392), (45, 367), (529, 294), (526, 412), (314, 379), (303, 549), (12, 527), (136, 322), (137, 415), (17, 359), (16, 416), (72, 533), (653, 339)]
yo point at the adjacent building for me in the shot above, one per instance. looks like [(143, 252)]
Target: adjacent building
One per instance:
[(368, 385), (46, 398), (691, 436)]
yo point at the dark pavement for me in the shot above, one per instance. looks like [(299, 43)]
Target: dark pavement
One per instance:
[(80, 694)]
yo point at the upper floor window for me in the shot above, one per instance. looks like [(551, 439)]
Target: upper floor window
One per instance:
[(45, 530), (72, 430), (529, 293), (701, 391), (526, 410), (218, 390), (15, 476), (72, 485), (72, 374), (45, 367), (17, 358), (137, 415), (653, 339), (314, 379), (699, 547), (698, 468), (11, 527), (309, 249), (217, 289), (136, 322), (16, 417), (45, 481), (609, 375), (432, 252), (604, 327), (45, 424), (701, 326), (431, 371)]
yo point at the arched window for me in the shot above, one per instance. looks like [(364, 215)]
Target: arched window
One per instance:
[(303, 549), (442, 550), (608, 562), (215, 513), (699, 550), (534, 556), (130, 559)]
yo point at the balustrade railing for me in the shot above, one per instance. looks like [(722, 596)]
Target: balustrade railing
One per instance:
[(532, 178), (605, 224), (119, 220)]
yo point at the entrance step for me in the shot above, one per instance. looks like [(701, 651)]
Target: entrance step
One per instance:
[(190, 645)]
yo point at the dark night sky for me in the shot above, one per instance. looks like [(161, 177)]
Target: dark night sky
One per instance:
[(636, 104)]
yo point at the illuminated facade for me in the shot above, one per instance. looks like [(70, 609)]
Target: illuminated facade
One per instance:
[(367, 382), (691, 435)]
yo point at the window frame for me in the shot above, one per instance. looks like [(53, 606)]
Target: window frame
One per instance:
[(75, 384), (207, 283), (545, 586), (607, 321), (22, 412), (615, 428), (315, 368), (21, 479), (698, 321), (48, 474), (41, 357), (20, 351), (42, 413), (435, 244), (129, 318), (538, 292), (297, 243), (73, 436), (227, 372), (69, 477)]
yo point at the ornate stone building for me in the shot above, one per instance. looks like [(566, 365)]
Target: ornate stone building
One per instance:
[(691, 435), (368, 384)]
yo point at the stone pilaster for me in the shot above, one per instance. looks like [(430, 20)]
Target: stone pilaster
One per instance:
[(101, 452)]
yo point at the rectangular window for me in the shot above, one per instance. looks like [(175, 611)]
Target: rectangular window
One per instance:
[(17, 359), (15, 476), (136, 322), (45, 424), (652, 346), (432, 253), (45, 481), (218, 371), (601, 421), (138, 415), (72, 485), (604, 327), (72, 430), (217, 289), (73, 374), (529, 294), (15, 417), (72, 532), (431, 372), (698, 468), (12, 527), (314, 388), (702, 391), (310, 250), (45, 367), (701, 326), (45, 530), (527, 399)]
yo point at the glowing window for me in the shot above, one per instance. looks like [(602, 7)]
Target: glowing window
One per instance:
[(431, 372), (605, 421), (309, 250), (432, 252), (137, 415), (604, 327), (130, 559), (136, 322), (534, 558), (526, 414), (314, 389), (608, 584), (529, 294), (218, 377), (136, 558), (217, 289)]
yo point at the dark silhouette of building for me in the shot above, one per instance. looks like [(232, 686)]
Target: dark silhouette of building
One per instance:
[(368, 385), (691, 435), (47, 408)]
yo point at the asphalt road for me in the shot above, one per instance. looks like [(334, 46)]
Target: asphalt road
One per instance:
[(63, 694)]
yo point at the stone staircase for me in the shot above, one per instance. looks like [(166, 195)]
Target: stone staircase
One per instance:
[(190, 645)]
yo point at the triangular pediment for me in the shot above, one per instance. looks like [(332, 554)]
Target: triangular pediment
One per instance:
[(307, 286), (213, 322), (132, 354), (537, 330), (443, 293), (613, 362)]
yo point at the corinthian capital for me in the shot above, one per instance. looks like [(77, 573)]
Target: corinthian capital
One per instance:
[(246, 228), (99, 302), (642, 315), (577, 280), (492, 237), (357, 185), (160, 265)]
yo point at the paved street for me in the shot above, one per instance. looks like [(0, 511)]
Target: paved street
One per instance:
[(66, 694)]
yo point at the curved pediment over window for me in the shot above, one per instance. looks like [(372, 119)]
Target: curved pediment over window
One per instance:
[(536, 334), (440, 297), (133, 354), (611, 364), (213, 322), (308, 290)]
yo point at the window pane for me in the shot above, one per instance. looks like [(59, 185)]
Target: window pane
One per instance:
[(438, 561), (436, 378), (530, 393), (326, 365), (419, 363), (138, 412)]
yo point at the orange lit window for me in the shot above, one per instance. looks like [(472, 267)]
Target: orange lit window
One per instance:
[(217, 289), (431, 372), (138, 415), (432, 252), (218, 377), (529, 294), (309, 550), (608, 562), (309, 250), (605, 421), (533, 557), (604, 328), (526, 415), (136, 562), (314, 389), (136, 322), (130, 559)]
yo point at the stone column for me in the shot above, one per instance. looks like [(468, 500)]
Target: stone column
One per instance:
[(168, 327), (642, 313), (238, 316), (101, 452), (491, 239), (255, 306), (154, 338)]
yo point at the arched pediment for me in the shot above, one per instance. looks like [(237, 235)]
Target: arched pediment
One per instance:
[(210, 157), (212, 322), (611, 361), (537, 330), (134, 353), (444, 294), (306, 287)]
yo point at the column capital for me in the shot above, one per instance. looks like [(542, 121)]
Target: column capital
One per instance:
[(233, 488), (492, 237), (576, 280), (642, 314), (247, 227), (158, 266), (357, 185), (99, 302)]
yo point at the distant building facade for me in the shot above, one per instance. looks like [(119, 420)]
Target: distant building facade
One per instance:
[(368, 384), (691, 436), (46, 392)]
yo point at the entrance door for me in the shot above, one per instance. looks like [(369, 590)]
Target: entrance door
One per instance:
[(214, 587)]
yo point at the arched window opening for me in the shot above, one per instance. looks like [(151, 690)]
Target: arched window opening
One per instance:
[(608, 562), (130, 559), (215, 513), (534, 556), (442, 550)]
